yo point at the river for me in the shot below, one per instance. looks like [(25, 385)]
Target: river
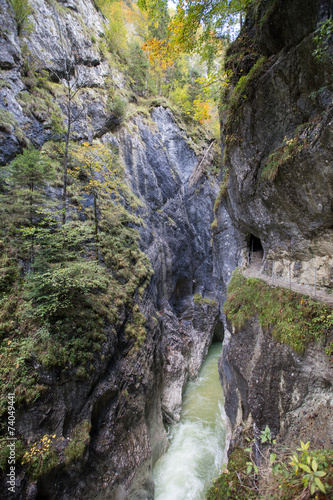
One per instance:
[(196, 450)]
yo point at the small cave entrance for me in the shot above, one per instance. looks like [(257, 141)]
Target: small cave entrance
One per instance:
[(255, 249), (218, 335)]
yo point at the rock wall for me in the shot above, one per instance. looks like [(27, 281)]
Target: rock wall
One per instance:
[(266, 383), (129, 396), (285, 109), (277, 136)]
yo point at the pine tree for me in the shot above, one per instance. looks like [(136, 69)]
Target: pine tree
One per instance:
[(23, 197)]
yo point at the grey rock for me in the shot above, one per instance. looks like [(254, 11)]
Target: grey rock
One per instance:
[(266, 383)]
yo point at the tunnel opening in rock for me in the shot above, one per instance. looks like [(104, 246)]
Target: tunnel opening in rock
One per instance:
[(218, 335), (256, 250)]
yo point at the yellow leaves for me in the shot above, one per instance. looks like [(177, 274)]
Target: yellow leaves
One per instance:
[(38, 449), (202, 110), (160, 53)]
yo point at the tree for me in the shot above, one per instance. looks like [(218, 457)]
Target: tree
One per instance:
[(160, 57), (158, 17), (201, 25), (27, 175), (101, 177), (138, 68), (74, 81), (22, 10)]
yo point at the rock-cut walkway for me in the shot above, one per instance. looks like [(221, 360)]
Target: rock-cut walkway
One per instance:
[(255, 271)]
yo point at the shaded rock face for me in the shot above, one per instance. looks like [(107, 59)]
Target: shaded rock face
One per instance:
[(177, 239), (286, 107), (129, 395), (269, 384)]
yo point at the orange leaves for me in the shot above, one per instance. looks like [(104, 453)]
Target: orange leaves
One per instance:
[(202, 110), (159, 53)]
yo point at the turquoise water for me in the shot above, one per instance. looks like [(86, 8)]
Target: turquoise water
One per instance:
[(196, 450)]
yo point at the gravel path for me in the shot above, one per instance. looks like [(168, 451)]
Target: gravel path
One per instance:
[(255, 271)]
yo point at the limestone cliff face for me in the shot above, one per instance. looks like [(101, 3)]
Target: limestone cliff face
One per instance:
[(278, 136), (128, 397), (266, 383)]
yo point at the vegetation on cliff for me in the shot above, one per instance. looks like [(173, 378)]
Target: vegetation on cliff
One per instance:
[(291, 318), (266, 470), (72, 274), (70, 259), (62, 283)]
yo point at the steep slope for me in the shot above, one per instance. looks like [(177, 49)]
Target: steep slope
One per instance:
[(277, 133), (109, 417)]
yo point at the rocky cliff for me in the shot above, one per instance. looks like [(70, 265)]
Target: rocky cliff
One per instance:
[(277, 132), (129, 394)]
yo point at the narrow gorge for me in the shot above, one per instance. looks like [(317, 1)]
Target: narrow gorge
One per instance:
[(116, 257)]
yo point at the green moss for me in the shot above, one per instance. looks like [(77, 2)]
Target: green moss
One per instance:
[(9, 125), (40, 105), (233, 483), (213, 225), (239, 92), (243, 82), (208, 301), (223, 191), (291, 318), (78, 442), (5, 84), (197, 298), (288, 150), (7, 121)]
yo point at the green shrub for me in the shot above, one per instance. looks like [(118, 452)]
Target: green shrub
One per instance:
[(117, 106), (5, 452), (22, 10), (56, 316), (322, 38), (281, 473), (78, 442)]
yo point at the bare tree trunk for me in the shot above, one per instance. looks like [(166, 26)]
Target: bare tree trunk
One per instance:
[(32, 250), (96, 227), (64, 192)]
